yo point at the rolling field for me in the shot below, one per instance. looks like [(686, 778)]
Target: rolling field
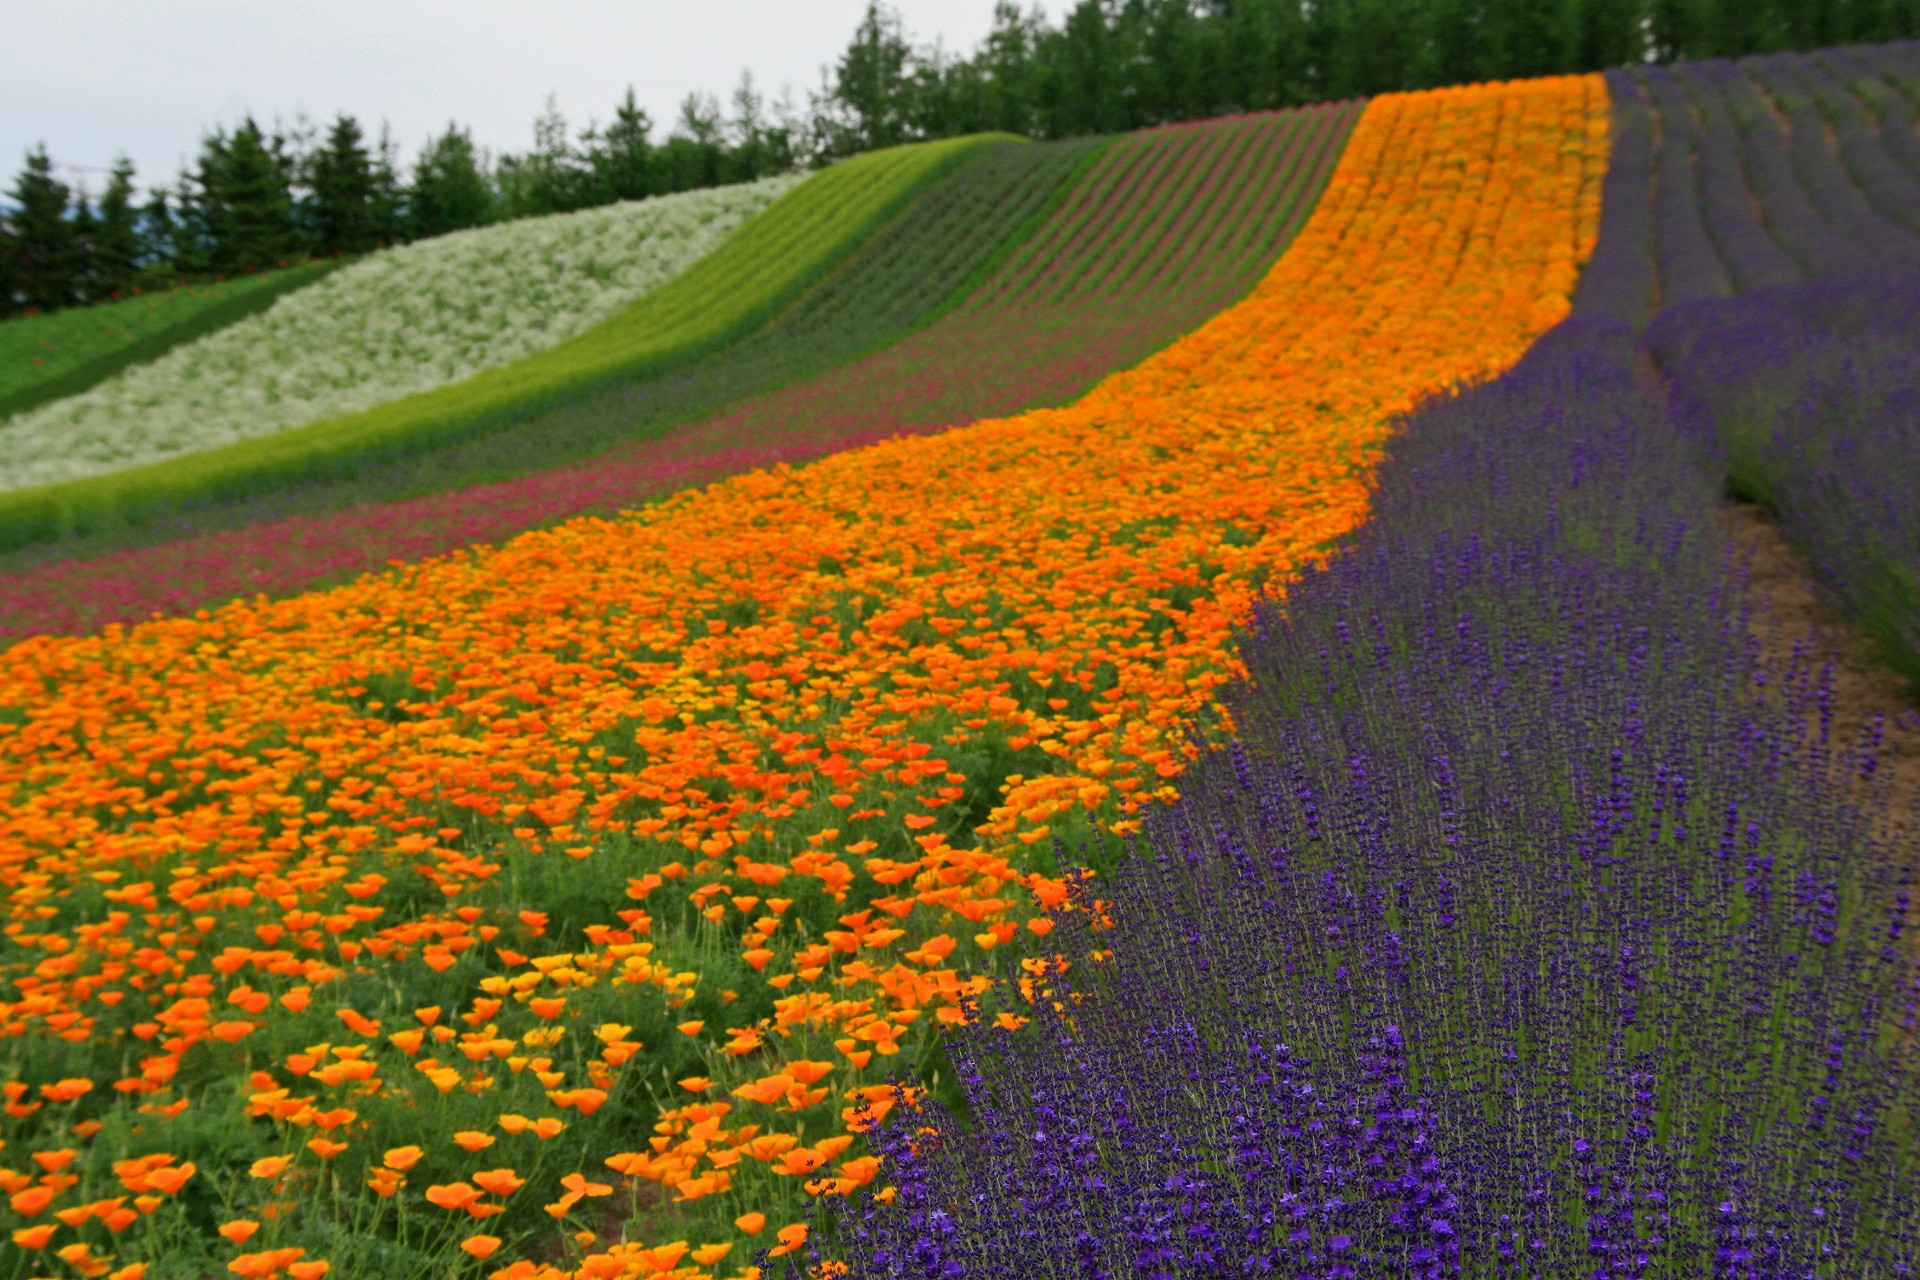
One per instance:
[(1165, 229), (1797, 193), (1113, 277), (773, 258), (561, 904), (395, 324), (1774, 169), (1158, 707), (953, 233), (1538, 921), (49, 357)]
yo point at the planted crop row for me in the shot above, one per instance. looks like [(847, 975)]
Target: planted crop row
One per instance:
[(591, 883), (1173, 225), (1167, 227), (393, 324), (1800, 186), (1774, 169), (45, 358), (1806, 395), (1462, 962), (769, 262), (290, 541), (1518, 932)]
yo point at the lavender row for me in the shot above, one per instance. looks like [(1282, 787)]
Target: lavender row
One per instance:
[(1619, 280), (1886, 78), (1890, 186), (1812, 395), (1877, 74), (1515, 935), (1751, 255), (1749, 192), (1840, 194), (1689, 264), (1522, 931)]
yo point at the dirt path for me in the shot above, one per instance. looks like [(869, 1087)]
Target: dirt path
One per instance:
[(1788, 608)]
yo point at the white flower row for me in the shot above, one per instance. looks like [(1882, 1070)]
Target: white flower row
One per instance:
[(401, 321)]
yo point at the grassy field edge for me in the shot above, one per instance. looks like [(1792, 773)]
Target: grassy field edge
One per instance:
[(660, 331), (154, 345)]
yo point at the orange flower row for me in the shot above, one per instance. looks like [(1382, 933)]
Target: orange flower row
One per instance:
[(726, 800)]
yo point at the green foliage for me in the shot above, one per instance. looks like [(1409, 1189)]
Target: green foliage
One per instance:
[(242, 204), (449, 191), (766, 265), (115, 247), (1115, 65), (926, 260), (47, 357), (38, 239), (348, 211)]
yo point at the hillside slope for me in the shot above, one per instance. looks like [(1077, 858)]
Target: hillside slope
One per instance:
[(764, 266), (1764, 171), (49, 357), (392, 324), (638, 851), (1165, 228)]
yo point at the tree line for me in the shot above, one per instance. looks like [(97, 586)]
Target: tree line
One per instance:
[(253, 199), (1114, 65)]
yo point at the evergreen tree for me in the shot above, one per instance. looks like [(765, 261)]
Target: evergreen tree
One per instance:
[(754, 150), (869, 98), (40, 236), (387, 203), (9, 273), (159, 233), (340, 208), (692, 157), (245, 204), (450, 191), (548, 179), (117, 249), (619, 158), (84, 225), (999, 78)]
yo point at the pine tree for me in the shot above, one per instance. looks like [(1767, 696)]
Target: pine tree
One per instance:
[(547, 179), (450, 190), (870, 85), (620, 157), (40, 236), (9, 274), (340, 212), (246, 201), (750, 153), (387, 205), (693, 156), (159, 238), (116, 240), (86, 226)]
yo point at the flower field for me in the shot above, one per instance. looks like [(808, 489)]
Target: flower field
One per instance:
[(1174, 224), (1534, 922), (765, 265), (397, 323), (1164, 229), (558, 907), (48, 357), (1799, 186)]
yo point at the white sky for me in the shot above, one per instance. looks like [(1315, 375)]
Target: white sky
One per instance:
[(92, 78)]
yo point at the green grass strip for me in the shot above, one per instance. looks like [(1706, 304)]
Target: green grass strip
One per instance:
[(83, 346), (740, 286)]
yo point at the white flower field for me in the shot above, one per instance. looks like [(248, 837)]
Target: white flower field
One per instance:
[(403, 321)]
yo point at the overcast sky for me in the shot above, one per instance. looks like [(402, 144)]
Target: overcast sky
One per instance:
[(92, 78)]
